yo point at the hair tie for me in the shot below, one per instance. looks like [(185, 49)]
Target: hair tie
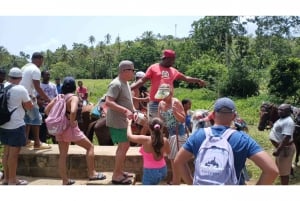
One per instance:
[(157, 126)]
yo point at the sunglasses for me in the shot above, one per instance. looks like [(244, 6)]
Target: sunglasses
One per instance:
[(129, 69)]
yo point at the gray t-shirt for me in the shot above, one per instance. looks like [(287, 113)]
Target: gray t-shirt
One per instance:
[(283, 126), (121, 93)]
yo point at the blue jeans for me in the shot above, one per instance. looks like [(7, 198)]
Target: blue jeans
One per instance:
[(154, 176)]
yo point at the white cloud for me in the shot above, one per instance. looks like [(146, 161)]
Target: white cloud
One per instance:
[(52, 45)]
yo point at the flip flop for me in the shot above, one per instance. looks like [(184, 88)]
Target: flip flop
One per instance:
[(127, 174), (123, 181), (70, 182), (98, 176)]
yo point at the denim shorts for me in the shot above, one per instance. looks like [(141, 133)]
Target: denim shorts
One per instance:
[(13, 137), (152, 109), (33, 116), (154, 176)]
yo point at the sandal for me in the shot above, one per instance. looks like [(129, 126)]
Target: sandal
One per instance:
[(19, 182), (123, 181), (70, 182), (127, 174), (42, 146), (98, 176)]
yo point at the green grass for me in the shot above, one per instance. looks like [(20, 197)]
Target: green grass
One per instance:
[(247, 108)]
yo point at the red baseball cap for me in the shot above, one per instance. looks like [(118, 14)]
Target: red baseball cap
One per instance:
[(168, 54)]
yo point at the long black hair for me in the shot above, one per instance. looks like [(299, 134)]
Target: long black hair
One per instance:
[(156, 127)]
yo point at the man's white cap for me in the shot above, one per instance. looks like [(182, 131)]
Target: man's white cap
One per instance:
[(15, 72), (140, 74)]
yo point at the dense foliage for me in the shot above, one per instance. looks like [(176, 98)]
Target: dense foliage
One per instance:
[(218, 50)]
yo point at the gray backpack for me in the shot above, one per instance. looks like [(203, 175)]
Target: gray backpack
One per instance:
[(214, 164)]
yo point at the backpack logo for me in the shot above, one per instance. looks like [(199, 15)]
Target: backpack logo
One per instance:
[(214, 164), (5, 114), (57, 121)]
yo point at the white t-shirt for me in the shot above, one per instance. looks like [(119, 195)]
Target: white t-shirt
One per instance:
[(30, 72), (49, 89), (17, 95), (283, 126)]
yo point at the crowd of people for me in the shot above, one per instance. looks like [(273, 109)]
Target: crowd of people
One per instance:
[(166, 134)]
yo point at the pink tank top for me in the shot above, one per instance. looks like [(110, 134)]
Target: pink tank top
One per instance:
[(150, 162)]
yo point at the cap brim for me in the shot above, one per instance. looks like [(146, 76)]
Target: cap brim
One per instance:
[(161, 94)]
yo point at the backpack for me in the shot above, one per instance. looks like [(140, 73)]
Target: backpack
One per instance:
[(5, 114), (214, 164), (56, 121)]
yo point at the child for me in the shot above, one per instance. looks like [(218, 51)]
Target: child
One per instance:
[(153, 149)]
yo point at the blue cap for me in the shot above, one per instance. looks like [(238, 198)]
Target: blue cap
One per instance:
[(224, 105)]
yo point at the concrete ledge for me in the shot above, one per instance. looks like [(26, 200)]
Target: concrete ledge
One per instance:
[(44, 163)]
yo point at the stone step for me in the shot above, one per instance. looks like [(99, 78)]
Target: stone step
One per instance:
[(58, 181), (44, 163)]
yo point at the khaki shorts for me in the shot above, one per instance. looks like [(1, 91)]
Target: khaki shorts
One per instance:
[(118, 135), (285, 159)]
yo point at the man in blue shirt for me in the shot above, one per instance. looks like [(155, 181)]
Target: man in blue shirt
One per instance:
[(243, 147)]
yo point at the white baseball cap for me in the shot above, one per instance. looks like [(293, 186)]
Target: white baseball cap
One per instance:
[(140, 74), (15, 72)]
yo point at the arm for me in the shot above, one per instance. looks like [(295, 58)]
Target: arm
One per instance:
[(40, 91), (178, 110), (283, 143), (193, 80), (267, 166), (110, 102), (140, 139), (49, 106), (73, 112), (138, 84), (27, 105), (180, 167), (167, 147)]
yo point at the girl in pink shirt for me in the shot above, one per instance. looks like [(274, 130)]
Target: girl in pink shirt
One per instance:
[(154, 149)]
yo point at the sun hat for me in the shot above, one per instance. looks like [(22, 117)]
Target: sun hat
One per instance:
[(163, 91)]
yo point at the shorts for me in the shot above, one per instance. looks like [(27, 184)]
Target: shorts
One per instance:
[(152, 109), (71, 134), (285, 160), (154, 176), (13, 137), (33, 116), (118, 135)]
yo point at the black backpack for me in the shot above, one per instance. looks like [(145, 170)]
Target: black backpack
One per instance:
[(4, 112)]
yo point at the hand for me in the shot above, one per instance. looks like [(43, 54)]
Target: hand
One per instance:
[(73, 123), (129, 114), (129, 122)]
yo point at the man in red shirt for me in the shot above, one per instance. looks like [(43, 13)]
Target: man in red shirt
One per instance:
[(82, 93), (162, 73)]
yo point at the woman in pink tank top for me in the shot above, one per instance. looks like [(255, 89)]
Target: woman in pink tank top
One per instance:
[(154, 149)]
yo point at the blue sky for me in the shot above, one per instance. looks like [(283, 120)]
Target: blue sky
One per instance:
[(35, 25), (39, 33)]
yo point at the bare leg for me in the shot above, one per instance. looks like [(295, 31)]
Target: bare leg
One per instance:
[(5, 163), (90, 156), (12, 164), (119, 160), (62, 166), (284, 180), (36, 134)]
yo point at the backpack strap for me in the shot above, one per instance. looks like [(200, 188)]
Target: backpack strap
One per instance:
[(9, 87), (228, 133)]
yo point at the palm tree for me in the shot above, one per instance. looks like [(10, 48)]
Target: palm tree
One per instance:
[(92, 40)]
